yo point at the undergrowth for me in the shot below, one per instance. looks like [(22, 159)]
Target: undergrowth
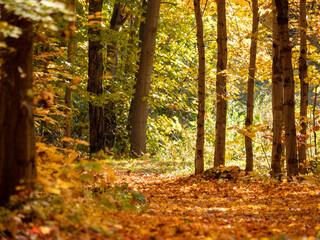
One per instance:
[(74, 195), (71, 198)]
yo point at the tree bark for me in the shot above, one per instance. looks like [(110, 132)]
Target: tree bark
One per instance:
[(315, 100), (250, 86), (71, 59), (199, 159), (221, 86), (95, 73), (288, 85), (277, 99), (139, 104), (17, 137), (304, 87), (116, 21)]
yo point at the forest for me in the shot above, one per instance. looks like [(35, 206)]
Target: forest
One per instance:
[(172, 119)]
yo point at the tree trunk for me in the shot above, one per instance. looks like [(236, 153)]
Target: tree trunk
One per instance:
[(95, 73), (277, 99), (116, 21), (288, 85), (139, 104), (71, 58), (199, 160), (304, 86), (17, 138), (129, 70), (221, 86), (315, 100), (250, 94)]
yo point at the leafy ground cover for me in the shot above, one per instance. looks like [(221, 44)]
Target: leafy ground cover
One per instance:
[(78, 198), (247, 208)]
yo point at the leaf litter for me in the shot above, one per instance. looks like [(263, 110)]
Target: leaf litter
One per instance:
[(78, 198), (196, 208)]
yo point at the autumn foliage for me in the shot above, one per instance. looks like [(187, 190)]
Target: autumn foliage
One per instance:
[(111, 80), (80, 199)]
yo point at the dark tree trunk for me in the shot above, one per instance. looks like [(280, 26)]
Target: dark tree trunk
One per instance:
[(288, 86), (95, 73), (277, 100), (304, 86), (17, 138), (139, 105), (221, 86), (250, 94), (199, 159)]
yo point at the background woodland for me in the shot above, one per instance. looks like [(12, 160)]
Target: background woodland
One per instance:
[(61, 65), (91, 87)]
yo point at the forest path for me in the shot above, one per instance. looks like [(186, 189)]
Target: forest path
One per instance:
[(193, 208)]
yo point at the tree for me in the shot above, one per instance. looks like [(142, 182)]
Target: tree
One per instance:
[(304, 86), (17, 138), (221, 86), (139, 105), (288, 86), (277, 99), (117, 19), (95, 74), (71, 59), (250, 86), (314, 108), (199, 161)]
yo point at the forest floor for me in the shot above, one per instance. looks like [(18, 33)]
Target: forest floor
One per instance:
[(80, 199), (195, 208)]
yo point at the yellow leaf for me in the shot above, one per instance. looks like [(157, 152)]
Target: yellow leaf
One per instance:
[(82, 142), (45, 230), (53, 190), (3, 45), (45, 182), (67, 139), (63, 184)]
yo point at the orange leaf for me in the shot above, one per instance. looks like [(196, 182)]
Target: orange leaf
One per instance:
[(35, 230)]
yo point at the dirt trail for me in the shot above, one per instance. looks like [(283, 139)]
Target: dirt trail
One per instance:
[(217, 209)]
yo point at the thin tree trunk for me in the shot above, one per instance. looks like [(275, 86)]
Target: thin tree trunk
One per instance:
[(144, 6), (95, 73), (288, 85), (17, 137), (221, 86), (139, 104), (134, 23), (129, 69), (303, 74), (71, 59), (310, 154), (314, 120), (250, 94), (116, 21), (199, 159), (277, 100)]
